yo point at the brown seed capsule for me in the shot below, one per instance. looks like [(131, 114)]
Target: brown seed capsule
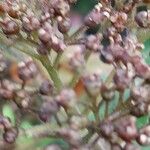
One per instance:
[(3, 7)]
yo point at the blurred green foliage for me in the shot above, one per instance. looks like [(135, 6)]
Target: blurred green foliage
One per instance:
[(84, 6)]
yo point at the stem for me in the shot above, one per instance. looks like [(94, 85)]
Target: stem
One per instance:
[(56, 62), (97, 137), (74, 80), (106, 108), (76, 34), (120, 102), (57, 120), (4, 46), (52, 72), (38, 131), (43, 59), (110, 77), (76, 76)]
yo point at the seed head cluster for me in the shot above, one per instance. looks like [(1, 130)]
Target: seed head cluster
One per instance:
[(34, 87)]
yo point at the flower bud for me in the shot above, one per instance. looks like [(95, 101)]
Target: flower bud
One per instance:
[(96, 16), (130, 146), (92, 83), (144, 136), (27, 70), (93, 42), (10, 27), (66, 98), (107, 129), (60, 7), (22, 99), (64, 24), (10, 135), (46, 87), (42, 49), (107, 93), (126, 128), (48, 108), (121, 79), (142, 19)]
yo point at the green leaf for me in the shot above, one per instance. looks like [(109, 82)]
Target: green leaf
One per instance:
[(38, 143), (146, 51), (84, 6), (8, 112), (91, 116), (141, 121), (25, 125)]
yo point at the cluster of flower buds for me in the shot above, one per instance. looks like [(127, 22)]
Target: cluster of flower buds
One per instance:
[(49, 40), (10, 133), (30, 22), (125, 128), (46, 28), (97, 15)]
